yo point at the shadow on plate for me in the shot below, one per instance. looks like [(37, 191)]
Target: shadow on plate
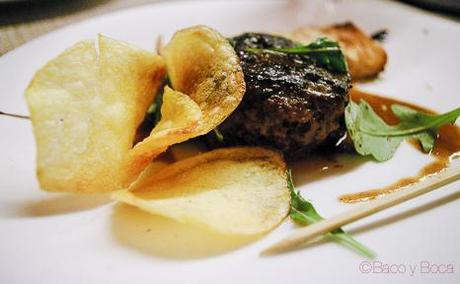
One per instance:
[(63, 204), (316, 167), (161, 237), (407, 214)]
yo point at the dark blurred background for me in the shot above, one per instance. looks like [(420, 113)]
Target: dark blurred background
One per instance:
[(445, 6), (22, 20)]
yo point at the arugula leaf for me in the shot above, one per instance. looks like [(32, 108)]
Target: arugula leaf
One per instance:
[(154, 111), (372, 136), (324, 51), (302, 212), (218, 134)]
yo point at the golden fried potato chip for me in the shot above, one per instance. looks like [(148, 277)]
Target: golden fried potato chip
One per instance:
[(180, 116), (202, 64), (208, 83), (85, 107), (233, 191)]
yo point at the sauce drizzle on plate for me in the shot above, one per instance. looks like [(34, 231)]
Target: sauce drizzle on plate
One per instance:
[(447, 147)]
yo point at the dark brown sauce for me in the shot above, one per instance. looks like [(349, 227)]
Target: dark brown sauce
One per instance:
[(447, 147)]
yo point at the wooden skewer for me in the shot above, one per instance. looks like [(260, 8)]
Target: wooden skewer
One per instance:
[(14, 115), (301, 236)]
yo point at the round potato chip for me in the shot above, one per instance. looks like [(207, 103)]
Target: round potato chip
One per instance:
[(85, 106), (202, 64), (239, 191), (179, 121)]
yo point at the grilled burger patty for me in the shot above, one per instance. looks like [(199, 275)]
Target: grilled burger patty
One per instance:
[(291, 103)]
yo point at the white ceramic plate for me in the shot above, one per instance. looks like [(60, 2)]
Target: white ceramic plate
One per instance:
[(53, 238)]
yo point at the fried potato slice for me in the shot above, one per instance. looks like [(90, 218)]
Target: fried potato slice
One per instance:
[(365, 57), (202, 64), (208, 83), (241, 191), (180, 116), (85, 106)]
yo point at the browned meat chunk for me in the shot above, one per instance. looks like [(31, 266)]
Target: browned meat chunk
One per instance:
[(291, 103)]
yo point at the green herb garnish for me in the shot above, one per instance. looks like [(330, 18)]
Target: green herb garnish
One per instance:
[(218, 134), (154, 111), (324, 51), (372, 136), (155, 108), (302, 212)]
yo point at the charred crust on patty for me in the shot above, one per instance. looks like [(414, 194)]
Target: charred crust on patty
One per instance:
[(291, 103)]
